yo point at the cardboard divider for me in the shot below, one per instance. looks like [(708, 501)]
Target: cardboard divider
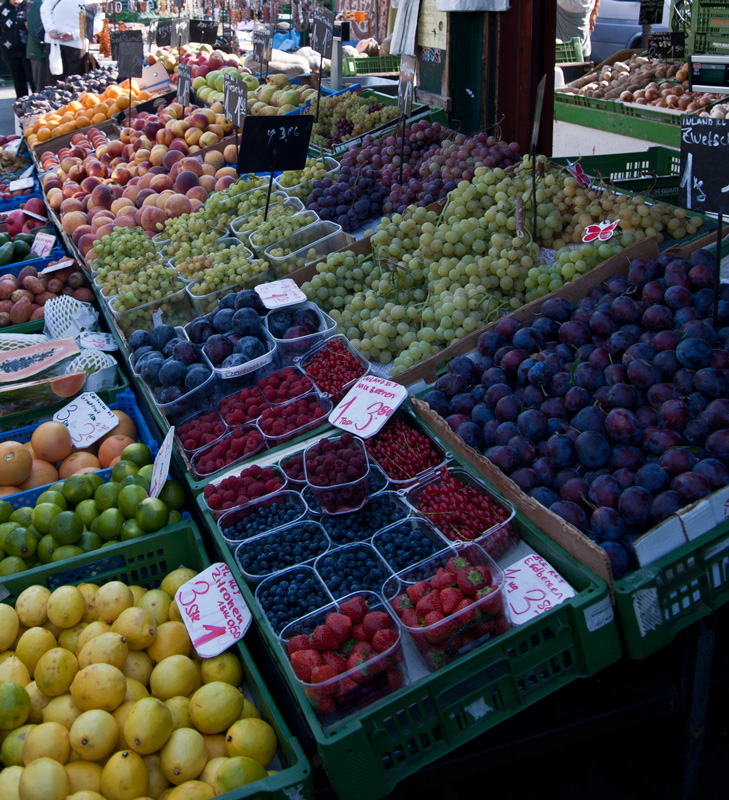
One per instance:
[(109, 127)]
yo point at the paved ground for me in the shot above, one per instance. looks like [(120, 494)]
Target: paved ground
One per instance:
[(7, 98)]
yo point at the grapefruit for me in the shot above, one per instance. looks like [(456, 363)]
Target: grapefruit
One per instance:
[(16, 463), (51, 441)]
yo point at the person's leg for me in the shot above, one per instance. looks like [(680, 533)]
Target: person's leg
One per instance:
[(73, 61), (17, 73), (29, 74), (38, 68)]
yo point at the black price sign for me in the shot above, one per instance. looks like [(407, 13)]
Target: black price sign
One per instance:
[(262, 41), (666, 44), (651, 12), (322, 35), (152, 32), (709, 74), (89, 13), (406, 87), (163, 35), (274, 143), (130, 59), (123, 37), (179, 31), (203, 31), (184, 81), (704, 164), (236, 99), (179, 4)]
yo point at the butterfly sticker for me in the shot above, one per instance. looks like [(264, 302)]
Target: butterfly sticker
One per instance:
[(601, 231)]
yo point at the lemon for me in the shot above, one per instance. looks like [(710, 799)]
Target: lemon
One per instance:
[(55, 672), (31, 606), (215, 707), (173, 580), (9, 626), (111, 599), (47, 740), (66, 606), (94, 734), (32, 645), (148, 725), (99, 686), (226, 667), (253, 738), (124, 776), (44, 778), (237, 772)]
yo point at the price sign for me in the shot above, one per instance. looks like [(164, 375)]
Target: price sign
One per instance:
[(406, 86), (87, 418), (161, 467), (651, 12), (600, 231), (203, 31), (163, 32), (34, 215), (236, 99), (20, 184), (214, 612), (184, 82), (180, 32), (322, 35), (123, 37), (43, 244), (130, 62), (704, 164), (278, 294), (62, 264), (95, 340), (666, 44), (152, 32), (274, 143), (531, 587), (367, 406), (26, 173), (262, 41), (13, 147)]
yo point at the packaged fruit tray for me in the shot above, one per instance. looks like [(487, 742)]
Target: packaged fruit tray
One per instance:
[(394, 732), (145, 562)]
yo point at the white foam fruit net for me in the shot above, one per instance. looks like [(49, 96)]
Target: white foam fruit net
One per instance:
[(15, 341), (100, 369), (65, 317)]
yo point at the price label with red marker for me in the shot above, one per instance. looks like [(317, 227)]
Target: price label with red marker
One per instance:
[(278, 294), (213, 610), (600, 231), (367, 406), (531, 587), (42, 244), (87, 418), (161, 467)]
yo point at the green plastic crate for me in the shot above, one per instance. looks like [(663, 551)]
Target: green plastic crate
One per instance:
[(144, 562), (657, 602), (374, 65), (568, 52), (367, 756), (709, 29)]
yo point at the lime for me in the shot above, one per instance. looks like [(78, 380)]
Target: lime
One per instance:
[(138, 453), (110, 524), (78, 488), (5, 529), (173, 495), (56, 487), (21, 542), (175, 516), (5, 510), (152, 514), (129, 498), (46, 548), (105, 496), (11, 565), (122, 468), (53, 497), (135, 480), (2, 554), (95, 479), (146, 472), (66, 551), (131, 529), (21, 515), (94, 527), (90, 541), (88, 511), (43, 515), (67, 527)]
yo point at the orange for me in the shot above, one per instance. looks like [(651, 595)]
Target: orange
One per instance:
[(44, 133), (41, 474), (77, 461), (112, 448), (97, 118), (113, 91), (15, 463), (82, 121)]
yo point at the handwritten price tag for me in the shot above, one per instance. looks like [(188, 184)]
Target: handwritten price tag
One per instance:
[(278, 294), (43, 244), (601, 231), (367, 406), (93, 340), (161, 467), (87, 418), (62, 264), (213, 610), (20, 184), (532, 587)]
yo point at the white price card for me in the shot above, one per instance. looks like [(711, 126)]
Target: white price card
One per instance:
[(161, 468), (34, 215), (13, 147), (213, 610), (367, 406), (531, 587), (20, 184), (278, 294), (62, 264), (157, 318), (95, 340), (87, 418), (42, 244)]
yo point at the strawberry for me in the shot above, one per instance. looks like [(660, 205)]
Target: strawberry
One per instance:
[(383, 640), (431, 602), (494, 605), (469, 616), (486, 572), (375, 621), (457, 563), (394, 679), (484, 628), (449, 599), (340, 625), (323, 674), (434, 657), (346, 685), (470, 581), (300, 642), (502, 624), (334, 660), (358, 634), (400, 603), (442, 579), (355, 608), (363, 648), (439, 633), (410, 618), (303, 662), (326, 706), (323, 639), (418, 590), (357, 662)]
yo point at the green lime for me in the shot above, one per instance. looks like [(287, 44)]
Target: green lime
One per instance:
[(12, 565), (5, 510), (132, 530), (138, 453), (105, 496), (122, 468), (129, 498), (46, 548), (135, 480), (21, 515), (88, 511), (95, 478), (43, 515), (56, 487), (67, 527), (146, 472), (78, 488), (21, 543), (110, 524), (38, 535), (110, 543), (152, 514), (5, 529), (90, 541), (2, 554), (53, 497), (175, 516), (66, 551), (173, 495)]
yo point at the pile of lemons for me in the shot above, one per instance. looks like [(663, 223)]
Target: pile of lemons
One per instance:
[(102, 697)]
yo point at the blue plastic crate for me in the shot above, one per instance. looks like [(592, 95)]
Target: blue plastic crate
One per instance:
[(38, 263), (15, 202)]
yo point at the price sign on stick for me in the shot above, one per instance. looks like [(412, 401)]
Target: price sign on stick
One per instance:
[(236, 99), (704, 164), (213, 610), (161, 467), (274, 143), (262, 41), (180, 31), (666, 44), (406, 86), (322, 35), (87, 418), (367, 406), (279, 294), (130, 59), (184, 82), (121, 37), (651, 12)]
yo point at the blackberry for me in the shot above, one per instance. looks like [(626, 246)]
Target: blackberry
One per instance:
[(290, 595), (352, 569), (281, 549), (261, 520), (405, 545)]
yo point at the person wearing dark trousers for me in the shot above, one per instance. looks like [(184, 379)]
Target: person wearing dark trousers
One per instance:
[(61, 23), (36, 50), (13, 42)]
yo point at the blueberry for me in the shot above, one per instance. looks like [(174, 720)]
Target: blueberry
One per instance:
[(281, 549), (290, 595), (261, 520), (352, 569), (161, 335), (356, 526), (402, 546), (139, 339)]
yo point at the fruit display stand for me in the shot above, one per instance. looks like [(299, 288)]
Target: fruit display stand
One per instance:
[(145, 562)]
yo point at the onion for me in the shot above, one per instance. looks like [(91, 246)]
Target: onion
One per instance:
[(641, 101), (678, 90), (692, 107), (626, 97), (671, 100), (682, 75), (651, 94)]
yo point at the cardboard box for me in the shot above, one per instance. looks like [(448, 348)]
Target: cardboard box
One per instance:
[(109, 127)]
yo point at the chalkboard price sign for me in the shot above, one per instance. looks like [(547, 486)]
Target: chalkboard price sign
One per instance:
[(123, 37), (274, 143), (651, 12), (179, 32), (184, 82), (322, 36), (704, 165), (666, 44), (406, 87), (236, 99), (262, 41), (130, 59)]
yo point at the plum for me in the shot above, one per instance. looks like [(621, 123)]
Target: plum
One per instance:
[(452, 384), (139, 352), (249, 347), (168, 394), (685, 315), (717, 414), (560, 450), (437, 401), (138, 339), (673, 415), (531, 396), (696, 432), (625, 310), (667, 364), (493, 375), (570, 513), (717, 445), (691, 486), (574, 334), (524, 448), (604, 491), (160, 335), (246, 322), (480, 414), (168, 349), (223, 321), (471, 434), (658, 440), (466, 368), (657, 318), (647, 416), (217, 348), (525, 478), (625, 478), (622, 395), (149, 370), (607, 524), (495, 392), (557, 308), (503, 457), (528, 339), (543, 495), (462, 404), (619, 342), (172, 372), (196, 376), (677, 297), (684, 381), (713, 472), (488, 343), (249, 298), (711, 382), (622, 426), (307, 318), (619, 557), (665, 505), (676, 460), (642, 374), (590, 418), (592, 449), (653, 478), (506, 327), (540, 374), (576, 399), (548, 328), (589, 377), (603, 323), (554, 408), (511, 361), (228, 301), (653, 293), (186, 352), (693, 353), (278, 321), (625, 456), (665, 340), (200, 330), (504, 432), (575, 490), (454, 420), (234, 360), (638, 350)]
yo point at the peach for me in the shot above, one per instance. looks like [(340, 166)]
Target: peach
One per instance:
[(227, 172), (141, 197), (195, 148), (97, 170), (104, 230), (156, 155), (231, 154), (124, 221), (177, 205), (150, 200), (185, 181), (196, 205), (89, 184), (142, 155), (179, 128), (191, 165), (99, 211), (72, 220), (192, 136), (115, 148), (215, 159), (175, 110), (199, 120), (160, 182), (171, 157), (197, 193), (121, 175), (80, 231), (164, 136), (208, 169), (217, 130), (70, 204), (180, 145), (101, 196), (151, 218), (86, 242), (224, 183), (77, 172), (122, 202), (55, 198), (208, 183), (132, 190)]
